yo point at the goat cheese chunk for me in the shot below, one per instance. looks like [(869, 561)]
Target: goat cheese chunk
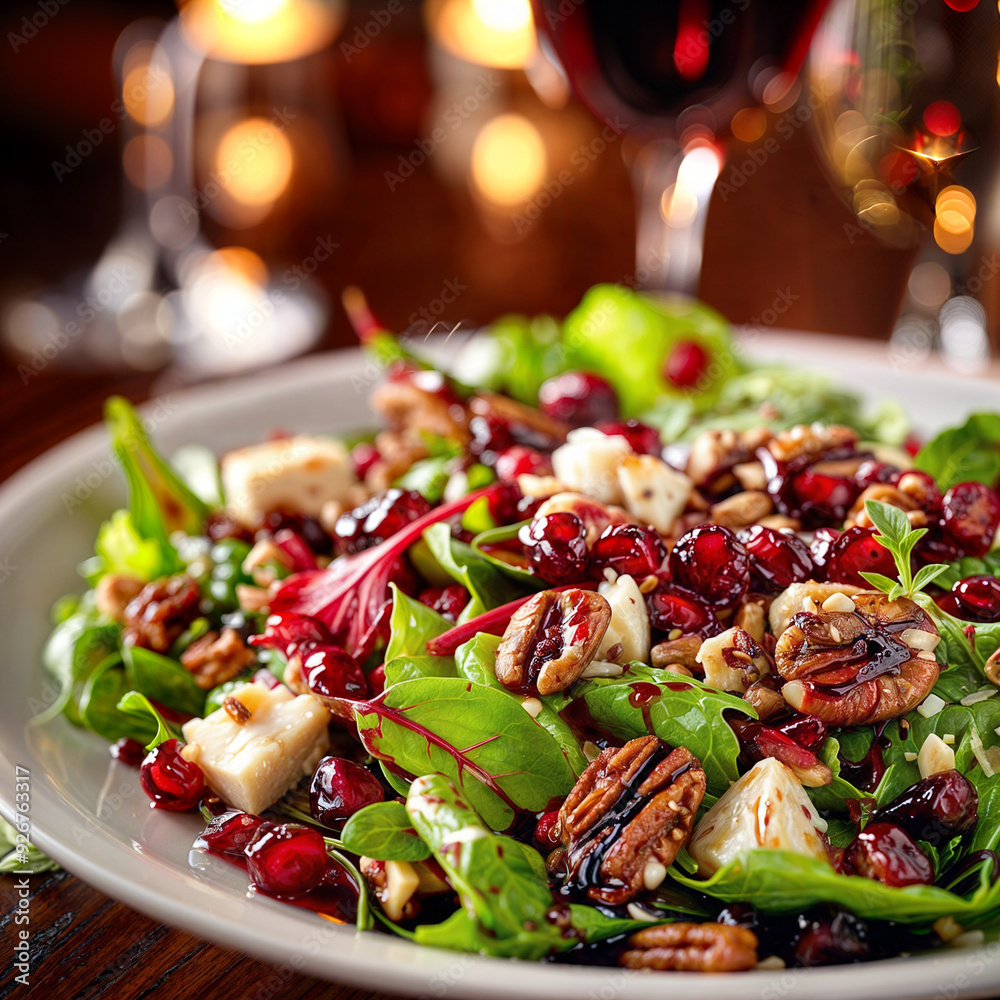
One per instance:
[(588, 463), (628, 635), (767, 807), (652, 492), (297, 475), (250, 764)]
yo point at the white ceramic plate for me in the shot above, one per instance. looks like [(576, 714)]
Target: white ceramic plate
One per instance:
[(92, 817)]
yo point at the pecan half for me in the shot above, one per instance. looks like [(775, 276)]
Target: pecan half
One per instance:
[(810, 439), (854, 667), (689, 947), (858, 515), (551, 639), (683, 651), (216, 658), (742, 509), (627, 817), (160, 612)]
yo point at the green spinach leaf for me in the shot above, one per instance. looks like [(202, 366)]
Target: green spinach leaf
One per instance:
[(384, 831), (970, 452), (139, 705), (163, 679)]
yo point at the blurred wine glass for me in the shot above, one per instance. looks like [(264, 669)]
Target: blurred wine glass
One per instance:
[(671, 75), (904, 94)]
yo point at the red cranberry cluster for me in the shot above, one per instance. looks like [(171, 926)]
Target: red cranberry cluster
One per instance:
[(328, 669)]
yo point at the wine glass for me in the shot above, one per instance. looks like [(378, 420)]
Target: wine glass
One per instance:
[(905, 97), (671, 75)]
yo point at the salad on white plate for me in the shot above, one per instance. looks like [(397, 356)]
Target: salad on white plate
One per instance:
[(612, 649)]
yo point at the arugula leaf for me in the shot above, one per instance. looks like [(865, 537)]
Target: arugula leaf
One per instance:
[(139, 705), (683, 712), (969, 453), (478, 736), (476, 661), (488, 586), (163, 679), (777, 881), (159, 502), (384, 831)]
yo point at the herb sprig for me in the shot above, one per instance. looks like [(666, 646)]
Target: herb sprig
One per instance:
[(899, 536)]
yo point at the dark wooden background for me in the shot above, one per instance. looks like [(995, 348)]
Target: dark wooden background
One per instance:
[(785, 230)]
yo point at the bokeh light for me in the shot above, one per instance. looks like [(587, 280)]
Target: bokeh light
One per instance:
[(942, 118), (256, 159), (488, 32), (508, 160), (148, 94), (147, 161), (748, 124), (929, 285)]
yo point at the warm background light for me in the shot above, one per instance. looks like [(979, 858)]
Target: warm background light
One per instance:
[(489, 32), (262, 31), (508, 160), (148, 94), (147, 161), (256, 159), (748, 124)]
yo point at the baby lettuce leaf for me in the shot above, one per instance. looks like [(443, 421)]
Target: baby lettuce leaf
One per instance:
[(507, 906), (413, 668), (99, 711), (121, 549), (76, 647), (967, 453), (682, 712), (777, 881), (963, 643), (476, 661), (832, 796), (139, 705), (481, 738), (488, 586), (988, 565), (159, 501), (505, 533), (162, 679), (411, 625), (384, 831)]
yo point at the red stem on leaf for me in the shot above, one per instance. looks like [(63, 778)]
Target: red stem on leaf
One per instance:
[(491, 622)]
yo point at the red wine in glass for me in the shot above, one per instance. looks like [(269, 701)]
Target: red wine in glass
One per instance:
[(641, 63)]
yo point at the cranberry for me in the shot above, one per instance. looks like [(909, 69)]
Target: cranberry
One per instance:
[(556, 547), (686, 365), (490, 437), (712, 562), (518, 460), (824, 495), (376, 680), (130, 752), (833, 940), (579, 399), (777, 558), (503, 502), (872, 471), (970, 515), (340, 788), (935, 809), (332, 672), (642, 439), (286, 858), (672, 608), (806, 730), (378, 519), (446, 601), (856, 552), (220, 525), (976, 599), (819, 549), (229, 833), (886, 853), (287, 630), (629, 549), (546, 830), (364, 456), (170, 780)]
